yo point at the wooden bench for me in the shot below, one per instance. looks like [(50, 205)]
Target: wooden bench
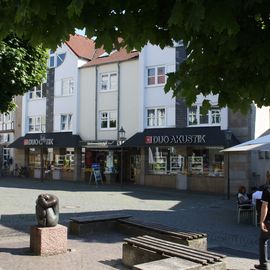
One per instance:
[(135, 227), (94, 223), (143, 249)]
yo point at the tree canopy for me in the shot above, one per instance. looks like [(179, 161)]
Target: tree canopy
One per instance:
[(227, 41), (22, 66)]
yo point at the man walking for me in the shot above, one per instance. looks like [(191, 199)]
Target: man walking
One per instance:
[(265, 229)]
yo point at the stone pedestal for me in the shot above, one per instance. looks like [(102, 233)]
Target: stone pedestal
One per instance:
[(45, 241)]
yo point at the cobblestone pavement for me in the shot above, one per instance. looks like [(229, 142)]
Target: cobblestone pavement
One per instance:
[(212, 214)]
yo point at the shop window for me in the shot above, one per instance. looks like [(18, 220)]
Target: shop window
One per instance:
[(66, 122), (177, 164), (108, 120), (206, 161), (156, 76), (108, 81), (67, 87), (196, 117), (156, 117)]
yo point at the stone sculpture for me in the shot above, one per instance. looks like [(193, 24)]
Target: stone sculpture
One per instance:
[(47, 210)]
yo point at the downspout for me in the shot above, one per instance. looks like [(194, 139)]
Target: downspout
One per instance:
[(96, 105), (118, 100)]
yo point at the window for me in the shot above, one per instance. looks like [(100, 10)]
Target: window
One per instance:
[(56, 59), (108, 120), (156, 75), (108, 82), (196, 117), (36, 92), (192, 115), (66, 122), (6, 157), (67, 87), (215, 115), (156, 117), (36, 124)]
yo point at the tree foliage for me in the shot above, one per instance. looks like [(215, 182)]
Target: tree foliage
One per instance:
[(227, 41), (22, 66)]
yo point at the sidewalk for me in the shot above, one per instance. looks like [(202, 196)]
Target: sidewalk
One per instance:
[(188, 211)]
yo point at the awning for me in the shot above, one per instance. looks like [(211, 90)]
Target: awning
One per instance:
[(50, 140), (207, 136), (261, 143)]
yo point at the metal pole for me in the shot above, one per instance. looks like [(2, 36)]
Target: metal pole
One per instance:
[(122, 166), (41, 164), (228, 177)]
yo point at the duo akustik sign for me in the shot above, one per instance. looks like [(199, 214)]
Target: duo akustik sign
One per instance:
[(175, 139)]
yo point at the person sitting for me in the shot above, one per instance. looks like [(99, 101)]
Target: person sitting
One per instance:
[(242, 196), (257, 195)]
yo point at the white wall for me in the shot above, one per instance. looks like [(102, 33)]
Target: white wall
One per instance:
[(108, 101), (129, 116), (154, 96), (65, 104), (87, 77), (262, 121)]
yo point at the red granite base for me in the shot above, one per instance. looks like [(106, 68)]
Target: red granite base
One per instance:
[(45, 241)]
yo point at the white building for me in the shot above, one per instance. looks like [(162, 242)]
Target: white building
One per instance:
[(50, 113)]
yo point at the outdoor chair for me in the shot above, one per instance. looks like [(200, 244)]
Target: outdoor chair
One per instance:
[(246, 210)]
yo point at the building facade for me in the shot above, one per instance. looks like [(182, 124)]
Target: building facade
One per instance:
[(109, 100), (50, 115)]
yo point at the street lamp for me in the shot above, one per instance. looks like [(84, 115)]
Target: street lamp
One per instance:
[(121, 138), (228, 138), (121, 135)]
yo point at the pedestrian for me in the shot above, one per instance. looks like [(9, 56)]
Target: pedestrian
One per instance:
[(264, 229)]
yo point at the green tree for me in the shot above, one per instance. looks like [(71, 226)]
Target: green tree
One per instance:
[(22, 66), (227, 41)]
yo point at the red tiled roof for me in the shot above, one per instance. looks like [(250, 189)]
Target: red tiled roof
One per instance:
[(117, 56), (82, 46)]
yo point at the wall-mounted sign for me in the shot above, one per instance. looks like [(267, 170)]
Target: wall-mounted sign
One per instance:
[(39, 142), (175, 139)]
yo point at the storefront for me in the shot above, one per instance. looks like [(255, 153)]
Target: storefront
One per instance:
[(105, 153), (51, 155), (182, 158)]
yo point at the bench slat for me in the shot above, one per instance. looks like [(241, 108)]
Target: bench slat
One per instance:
[(161, 250), (178, 247), (163, 229), (169, 249), (95, 218)]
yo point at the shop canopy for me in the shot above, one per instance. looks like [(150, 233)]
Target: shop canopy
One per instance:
[(50, 140), (260, 144), (201, 136)]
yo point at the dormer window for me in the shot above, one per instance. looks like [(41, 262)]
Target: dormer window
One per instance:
[(56, 59)]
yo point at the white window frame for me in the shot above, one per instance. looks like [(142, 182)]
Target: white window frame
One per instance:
[(70, 86), (36, 92), (214, 111), (108, 82), (155, 118), (107, 119), (68, 122), (38, 124), (156, 76), (55, 56)]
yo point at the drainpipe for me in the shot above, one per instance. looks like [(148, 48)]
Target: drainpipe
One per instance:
[(118, 100), (96, 105)]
